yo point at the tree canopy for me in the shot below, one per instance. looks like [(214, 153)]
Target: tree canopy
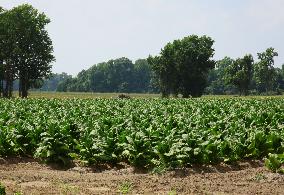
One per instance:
[(265, 74), (230, 76), (217, 76), (26, 48), (183, 66), (118, 75), (239, 73)]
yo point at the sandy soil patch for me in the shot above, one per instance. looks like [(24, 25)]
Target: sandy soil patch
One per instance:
[(31, 177)]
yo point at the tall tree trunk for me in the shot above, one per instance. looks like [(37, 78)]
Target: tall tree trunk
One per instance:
[(165, 93), (20, 87), (6, 90), (1, 88), (10, 88), (8, 77), (1, 77), (185, 94), (240, 91), (24, 92), (5, 95), (246, 91), (24, 88)]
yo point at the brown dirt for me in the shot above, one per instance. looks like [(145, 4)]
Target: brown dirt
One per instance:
[(31, 177)]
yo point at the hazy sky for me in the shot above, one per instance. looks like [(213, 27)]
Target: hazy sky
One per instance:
[(86, 32)]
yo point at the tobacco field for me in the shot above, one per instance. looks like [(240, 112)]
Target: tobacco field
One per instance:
[(145, 133)]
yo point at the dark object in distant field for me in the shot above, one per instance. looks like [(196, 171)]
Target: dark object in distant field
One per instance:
[(123, 96)]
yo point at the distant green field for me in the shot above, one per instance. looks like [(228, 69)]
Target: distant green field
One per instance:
[(84, 95), (88, 95)]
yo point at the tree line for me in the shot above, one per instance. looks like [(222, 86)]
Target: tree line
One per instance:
[(183, 67), (246, 76), (25, 49), (119, 75)]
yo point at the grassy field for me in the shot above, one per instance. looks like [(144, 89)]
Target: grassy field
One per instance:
[(84, 95), (88, 95)]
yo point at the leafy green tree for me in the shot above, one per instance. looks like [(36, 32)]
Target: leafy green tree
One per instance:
[(282, 76), (161, 71), (142, 76), (99, 77), (35, 46), (64, 85), (279, 86), (118, 75), (240, 73), (216, 78), (83, 81), (183, 66), (265, 74), (53, 81), (113, 76), (1, 55), (194, 64), (1, 77), (25, 48), (8, 52)]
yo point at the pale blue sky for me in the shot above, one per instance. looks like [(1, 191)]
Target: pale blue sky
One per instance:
[(86, 32)]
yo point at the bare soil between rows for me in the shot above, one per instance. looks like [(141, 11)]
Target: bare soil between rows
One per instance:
[(32, 177)]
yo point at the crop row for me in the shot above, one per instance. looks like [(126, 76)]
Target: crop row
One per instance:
[(144, 133)]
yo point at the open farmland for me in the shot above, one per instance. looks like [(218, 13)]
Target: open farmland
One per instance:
[(145, 134), (84, 95)]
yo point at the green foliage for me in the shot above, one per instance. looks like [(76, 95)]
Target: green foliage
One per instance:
[(274, 162), (240, 73), (125, 187), (232, 76), (259, 177), (172, 192), (217, 78), (183, 66), (18, 193), (265, 74), (119, 75), (161, 133), (2, 190), (25, 47), (53, 82)]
